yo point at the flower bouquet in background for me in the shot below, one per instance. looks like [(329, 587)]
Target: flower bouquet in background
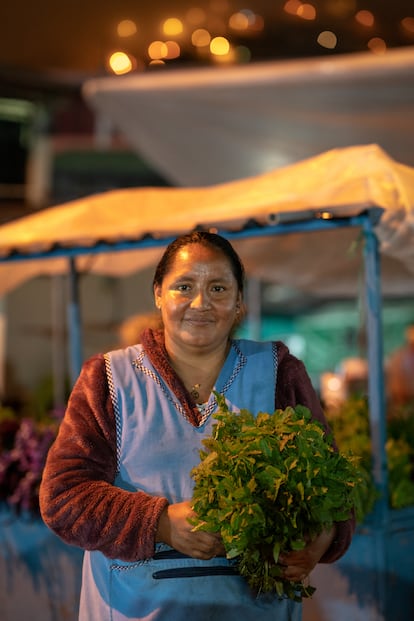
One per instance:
[(24, 444), (268, 484)]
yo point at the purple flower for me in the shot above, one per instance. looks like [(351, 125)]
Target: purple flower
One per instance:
[(23, 451)]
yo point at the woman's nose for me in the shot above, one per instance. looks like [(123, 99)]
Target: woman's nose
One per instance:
[(201, 299)]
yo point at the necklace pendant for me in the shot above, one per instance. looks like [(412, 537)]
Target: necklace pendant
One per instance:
[(194, 391)]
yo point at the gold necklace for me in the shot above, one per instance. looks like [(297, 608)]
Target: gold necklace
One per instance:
[(195, 389)]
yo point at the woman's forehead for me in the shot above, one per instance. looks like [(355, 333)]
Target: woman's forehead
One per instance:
[(198, 258), (199, 253)]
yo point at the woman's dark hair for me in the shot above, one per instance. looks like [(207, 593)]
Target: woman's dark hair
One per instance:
[(204, 238)]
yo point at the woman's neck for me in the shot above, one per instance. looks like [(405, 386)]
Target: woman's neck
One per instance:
[(198, 371)]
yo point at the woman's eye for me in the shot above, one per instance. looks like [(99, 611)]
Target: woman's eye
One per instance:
[(183, 287), (218, 288)]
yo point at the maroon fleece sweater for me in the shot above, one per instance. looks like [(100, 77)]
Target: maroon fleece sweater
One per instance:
[(78, 500)]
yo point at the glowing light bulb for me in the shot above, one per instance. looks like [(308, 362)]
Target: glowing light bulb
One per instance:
[(219, 46), (157, 50), (306, 11), (120, 63), (292, 7), (173, 50), (365, 18), (377, 46), (172, 27), (327, 39), (239, 21)]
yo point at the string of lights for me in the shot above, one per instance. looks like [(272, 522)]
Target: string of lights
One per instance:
[(294, 28), (126, 36)]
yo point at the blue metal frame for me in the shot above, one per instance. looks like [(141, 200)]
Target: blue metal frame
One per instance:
[(252, 229), (74, 322), (319, 222), (377, 409)]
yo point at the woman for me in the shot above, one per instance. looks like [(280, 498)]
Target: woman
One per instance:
[(117, 480)]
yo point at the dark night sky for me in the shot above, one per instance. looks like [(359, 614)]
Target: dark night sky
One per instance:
[(77, 35)]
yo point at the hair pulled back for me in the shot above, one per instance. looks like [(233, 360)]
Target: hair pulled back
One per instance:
[(204, 238)]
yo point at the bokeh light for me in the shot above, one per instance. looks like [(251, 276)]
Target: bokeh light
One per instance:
[(173, 50), (377, 45), (266, 29), (327, 39), (239, 21), (258, 23), (292, 7), (126, 28), (307, 11), (243, 54), (219, 46), (120, 63), (408, 24), (365, 18), (157, 50), (201, 37), (172, 27)]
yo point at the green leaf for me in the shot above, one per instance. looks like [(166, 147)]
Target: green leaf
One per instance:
[(276, 551), (268, 483)]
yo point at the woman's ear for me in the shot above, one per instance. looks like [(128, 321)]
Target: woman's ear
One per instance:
[(157, 296), (239, 303)]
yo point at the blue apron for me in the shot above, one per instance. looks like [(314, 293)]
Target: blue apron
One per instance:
[(157, 448)]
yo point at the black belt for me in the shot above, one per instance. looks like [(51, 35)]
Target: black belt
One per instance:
[(191, 571), (166, 554)]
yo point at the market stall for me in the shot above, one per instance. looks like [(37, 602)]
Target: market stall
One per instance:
[(212, 125), (297, 222)]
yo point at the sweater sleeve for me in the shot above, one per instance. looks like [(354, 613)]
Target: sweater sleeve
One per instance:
[(78, 498), (294, 387)]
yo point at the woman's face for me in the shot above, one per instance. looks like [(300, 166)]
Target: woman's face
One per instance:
[(199, 298)]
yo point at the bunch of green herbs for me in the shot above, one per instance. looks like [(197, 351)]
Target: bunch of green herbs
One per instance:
[(268, 484)]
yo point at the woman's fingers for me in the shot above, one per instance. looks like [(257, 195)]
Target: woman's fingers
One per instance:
[(298, 564), (177, 531), (296, 573)]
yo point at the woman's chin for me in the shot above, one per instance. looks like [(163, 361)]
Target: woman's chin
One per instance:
[(199, 336)]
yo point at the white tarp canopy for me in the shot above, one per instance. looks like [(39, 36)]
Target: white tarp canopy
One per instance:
[(341, 182), (213, 125)]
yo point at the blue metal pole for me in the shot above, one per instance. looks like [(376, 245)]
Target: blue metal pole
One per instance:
[(74, 322), (254, 308), (377, 409)]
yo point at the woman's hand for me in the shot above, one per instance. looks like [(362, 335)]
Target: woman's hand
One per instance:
[(175, 530), (298, 564)]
